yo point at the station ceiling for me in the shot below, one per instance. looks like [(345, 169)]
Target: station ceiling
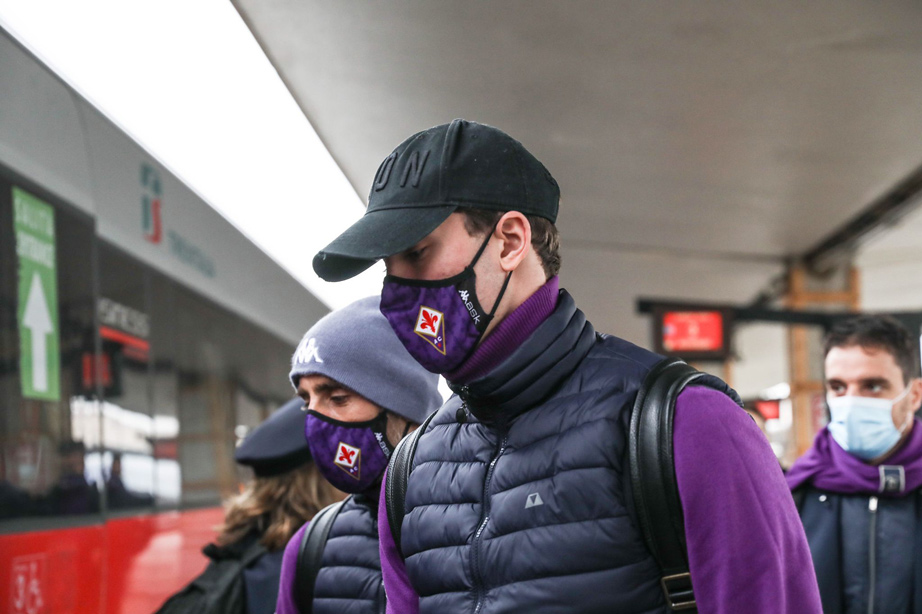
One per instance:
[(698, 145)]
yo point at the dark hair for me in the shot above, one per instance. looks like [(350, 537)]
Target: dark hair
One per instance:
[(544, 236), (879, 332)]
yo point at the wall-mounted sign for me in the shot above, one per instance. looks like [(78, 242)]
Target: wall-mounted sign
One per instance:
[(37, 312), (770, 410), (124, 318), (151, 219), (701, 335), (182, 248), (123, 329), (103, 371)]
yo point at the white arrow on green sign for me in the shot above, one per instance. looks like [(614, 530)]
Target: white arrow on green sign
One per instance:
[(37, 314)]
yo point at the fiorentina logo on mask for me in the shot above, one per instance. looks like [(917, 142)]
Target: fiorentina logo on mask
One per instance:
[(349, 459), (430, 325)]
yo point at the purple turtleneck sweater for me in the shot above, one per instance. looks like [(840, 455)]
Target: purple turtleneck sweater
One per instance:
[(746, 546)]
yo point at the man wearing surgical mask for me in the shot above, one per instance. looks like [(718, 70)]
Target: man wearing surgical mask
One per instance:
[(858, 488), (362, 393)]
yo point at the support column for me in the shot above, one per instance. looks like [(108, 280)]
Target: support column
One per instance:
[(838, 291)]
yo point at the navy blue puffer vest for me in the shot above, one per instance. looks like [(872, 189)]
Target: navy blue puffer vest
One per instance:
[(349, 581), (867, 551), (518, 499)]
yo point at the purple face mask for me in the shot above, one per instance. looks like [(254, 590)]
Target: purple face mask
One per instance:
[(350, 455), (441, 321)]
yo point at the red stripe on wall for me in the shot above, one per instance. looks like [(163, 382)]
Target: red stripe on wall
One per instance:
[(124, 338)]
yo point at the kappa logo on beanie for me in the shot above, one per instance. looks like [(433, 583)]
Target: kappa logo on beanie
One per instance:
[(308, 351)]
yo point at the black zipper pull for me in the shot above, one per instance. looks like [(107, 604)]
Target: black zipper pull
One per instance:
[(461, 414)]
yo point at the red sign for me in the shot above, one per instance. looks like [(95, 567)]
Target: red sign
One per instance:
[(770, 410), (93, 375), (133, 347), (693, 331)]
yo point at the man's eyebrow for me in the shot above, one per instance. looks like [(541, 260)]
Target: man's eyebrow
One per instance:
[(329, 387), (875, 381)]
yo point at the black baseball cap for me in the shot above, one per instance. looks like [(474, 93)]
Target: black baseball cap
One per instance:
[(427, 178), (278, 445)]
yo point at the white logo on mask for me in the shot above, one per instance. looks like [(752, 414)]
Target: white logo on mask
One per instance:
[(465, 298)]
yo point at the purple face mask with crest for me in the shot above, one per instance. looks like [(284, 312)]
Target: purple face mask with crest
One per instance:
[(440, 321), (352, 456)]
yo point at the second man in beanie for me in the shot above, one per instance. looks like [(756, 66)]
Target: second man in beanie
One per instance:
[(362, 393)]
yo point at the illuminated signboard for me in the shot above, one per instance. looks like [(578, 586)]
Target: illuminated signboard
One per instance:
[(702, 335), (770, 410)]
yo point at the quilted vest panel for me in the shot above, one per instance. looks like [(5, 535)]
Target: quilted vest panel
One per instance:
[(862, 555), (349, 581), (528, 513)]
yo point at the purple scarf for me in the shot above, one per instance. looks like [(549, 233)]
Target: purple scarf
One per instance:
[(828, 467)]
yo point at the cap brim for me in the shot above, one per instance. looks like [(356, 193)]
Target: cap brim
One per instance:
[(376, 235)]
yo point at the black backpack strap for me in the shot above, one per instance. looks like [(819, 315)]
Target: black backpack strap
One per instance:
[(653, 480), (218, 594), (398, 474), (310, 554)]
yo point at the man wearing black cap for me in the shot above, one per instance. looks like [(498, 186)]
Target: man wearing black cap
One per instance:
[(361, 392), (517, 497)]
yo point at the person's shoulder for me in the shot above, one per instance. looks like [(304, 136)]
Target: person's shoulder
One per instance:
[(703, 403), (610, 351), (704, 412), (716, 442)]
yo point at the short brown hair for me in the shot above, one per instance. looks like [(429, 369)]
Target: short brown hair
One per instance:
[(878, 332), (544, 236)]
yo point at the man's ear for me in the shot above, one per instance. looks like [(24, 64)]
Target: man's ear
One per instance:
[(915, 393), (514, 231)]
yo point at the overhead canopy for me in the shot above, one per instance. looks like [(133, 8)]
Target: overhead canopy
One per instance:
[(698, 145)]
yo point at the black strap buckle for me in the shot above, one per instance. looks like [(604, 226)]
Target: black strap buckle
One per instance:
[(679, 593)]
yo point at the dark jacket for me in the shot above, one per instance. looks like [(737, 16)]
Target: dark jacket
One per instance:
[(518, 499), (241, 578), (867, 550), (349, 580), (261, 583)]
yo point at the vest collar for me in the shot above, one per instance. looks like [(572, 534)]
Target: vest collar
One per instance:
[(535, 369)]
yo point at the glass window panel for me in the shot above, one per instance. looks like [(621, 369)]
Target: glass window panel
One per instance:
[(125, 380), (49, 449)]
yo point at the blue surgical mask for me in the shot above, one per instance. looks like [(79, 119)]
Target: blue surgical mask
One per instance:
[(863, 426)]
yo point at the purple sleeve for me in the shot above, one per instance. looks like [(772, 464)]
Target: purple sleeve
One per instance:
[(746, 546), (286, 603), (401, 597)]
